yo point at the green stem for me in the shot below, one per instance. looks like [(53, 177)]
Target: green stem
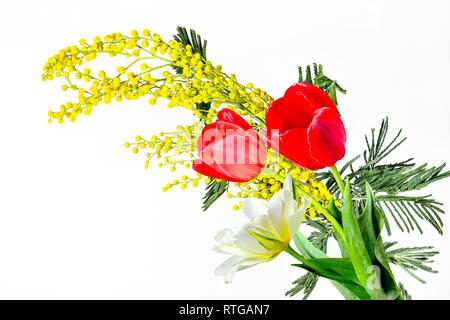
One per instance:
[(295, 254), (316, 203), (337, 177)]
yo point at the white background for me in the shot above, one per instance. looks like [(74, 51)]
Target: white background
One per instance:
[(81, 218)]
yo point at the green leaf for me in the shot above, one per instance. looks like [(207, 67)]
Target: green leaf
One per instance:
[(350, 291), (335, 212), (404, 293), (305, 247), (338, 216), (411, 259), (321, 268), (193, 39), (341, 267), (388, 282), (319, 239), (214, 190), (307, 282), (357, 250), (371, 225), (329, 86)]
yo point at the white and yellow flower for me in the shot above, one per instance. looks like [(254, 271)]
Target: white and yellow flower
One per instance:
[(272, 225)]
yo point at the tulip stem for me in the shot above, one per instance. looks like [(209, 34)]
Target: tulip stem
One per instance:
[(316, 203), (324, 211), (295, 254), (337, 177)]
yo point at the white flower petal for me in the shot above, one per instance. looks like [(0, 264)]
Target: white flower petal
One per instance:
[(225, 236), (275, 212), (296, 219), (247, 242), (253, 208), (231, 249), (230, 274), (230, 266), (225, 267), (287, 185), (290, 205), (250, 263), (263, 222)]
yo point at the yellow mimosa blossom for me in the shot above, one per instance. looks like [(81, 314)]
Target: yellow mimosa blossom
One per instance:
[(152, 69)]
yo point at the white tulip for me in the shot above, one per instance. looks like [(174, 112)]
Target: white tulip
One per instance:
[(272, 225)]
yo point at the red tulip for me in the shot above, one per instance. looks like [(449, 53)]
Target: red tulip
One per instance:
[(305, 127), (230, 149)]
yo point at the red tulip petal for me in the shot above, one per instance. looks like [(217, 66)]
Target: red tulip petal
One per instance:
[(230, 149), (230, 116), (288, 113), (226, 128), (217, 130), (209, 134), (315, 93), (327, 137), (245, 156), (293, 145)]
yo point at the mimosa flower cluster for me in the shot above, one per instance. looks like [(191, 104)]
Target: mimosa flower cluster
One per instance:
[(150, 73)]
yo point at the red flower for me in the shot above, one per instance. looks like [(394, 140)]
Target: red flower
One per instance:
[(304, 126), (230, 149)]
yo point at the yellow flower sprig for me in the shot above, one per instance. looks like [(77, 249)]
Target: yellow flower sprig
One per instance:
[(150, 72), (199, 82)]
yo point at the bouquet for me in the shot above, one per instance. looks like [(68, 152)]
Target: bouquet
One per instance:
[(276, 158)]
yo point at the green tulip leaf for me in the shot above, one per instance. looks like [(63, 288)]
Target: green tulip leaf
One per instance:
[(349, 290), (306, 248), (338, 216), (338, 269), (340, 266), (325, 274), (371, 225), (335, 212), (356, 248)]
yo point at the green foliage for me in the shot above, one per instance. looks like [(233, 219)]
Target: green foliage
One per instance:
[(391, 181), (319, 264), (319, 239), (338, 269), (214, 190), (337, 214), (317, 77), (195, 41), (403, 292), (364, 271), (362, 238), (371, 223), (307, 283), (411, 259)]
